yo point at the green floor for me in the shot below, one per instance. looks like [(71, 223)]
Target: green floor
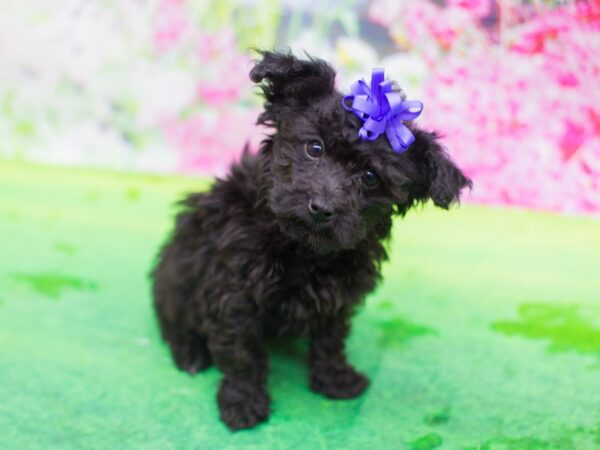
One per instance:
[(484, 335)]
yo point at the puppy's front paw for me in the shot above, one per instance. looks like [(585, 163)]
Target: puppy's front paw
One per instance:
[(242, 404), (337, 380)]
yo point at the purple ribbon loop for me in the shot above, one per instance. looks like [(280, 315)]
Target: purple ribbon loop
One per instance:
[(382, 110)]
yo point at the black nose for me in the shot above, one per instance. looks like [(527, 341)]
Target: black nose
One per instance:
[(319, 210)]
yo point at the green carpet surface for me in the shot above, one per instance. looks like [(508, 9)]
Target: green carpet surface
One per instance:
[(485, 333)]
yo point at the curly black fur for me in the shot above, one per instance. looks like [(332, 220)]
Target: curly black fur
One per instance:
[(252, 258)]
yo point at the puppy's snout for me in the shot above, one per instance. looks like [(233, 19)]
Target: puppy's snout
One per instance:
[(320, 210)]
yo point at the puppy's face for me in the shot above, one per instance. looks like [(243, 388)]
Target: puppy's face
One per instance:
[(330, 189)]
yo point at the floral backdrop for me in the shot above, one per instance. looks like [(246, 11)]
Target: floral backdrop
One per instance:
[(161, 85)]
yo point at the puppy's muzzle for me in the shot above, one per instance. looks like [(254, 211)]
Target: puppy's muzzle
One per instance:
[(320, 210)]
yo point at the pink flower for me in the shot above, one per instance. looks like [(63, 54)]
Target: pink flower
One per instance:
[(216, 127), (572, 139), (224, 77), (588, 11), (523, 120), (170, 24), (477, 8), (209, 143), (218, 95)]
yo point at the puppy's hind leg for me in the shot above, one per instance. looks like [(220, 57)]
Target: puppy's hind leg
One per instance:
[(175, 277), (190, 352), (188, 346)]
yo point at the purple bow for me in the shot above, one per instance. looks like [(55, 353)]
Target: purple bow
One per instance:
[(381, 109)]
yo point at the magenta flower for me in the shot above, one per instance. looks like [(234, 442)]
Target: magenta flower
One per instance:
[(522, 116)]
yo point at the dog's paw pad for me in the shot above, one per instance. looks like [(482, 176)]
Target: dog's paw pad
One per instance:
[(338, 381), (242, 405)]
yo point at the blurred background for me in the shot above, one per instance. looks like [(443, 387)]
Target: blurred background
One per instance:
[(162, 85)]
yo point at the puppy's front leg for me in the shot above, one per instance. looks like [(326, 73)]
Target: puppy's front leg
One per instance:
[(243, 399), (330, 374)]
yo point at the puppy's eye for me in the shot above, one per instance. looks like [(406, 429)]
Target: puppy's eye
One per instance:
[(371, 179), (314, 149)]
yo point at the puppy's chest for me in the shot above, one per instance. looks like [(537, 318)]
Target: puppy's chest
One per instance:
[(305, 294)]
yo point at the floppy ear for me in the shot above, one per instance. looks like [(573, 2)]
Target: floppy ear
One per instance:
[(287, 80), (438, 177)]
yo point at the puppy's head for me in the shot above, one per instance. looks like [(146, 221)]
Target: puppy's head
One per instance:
[(329, 189)]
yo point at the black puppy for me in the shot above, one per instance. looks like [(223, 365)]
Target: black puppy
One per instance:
[(291, 241)]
